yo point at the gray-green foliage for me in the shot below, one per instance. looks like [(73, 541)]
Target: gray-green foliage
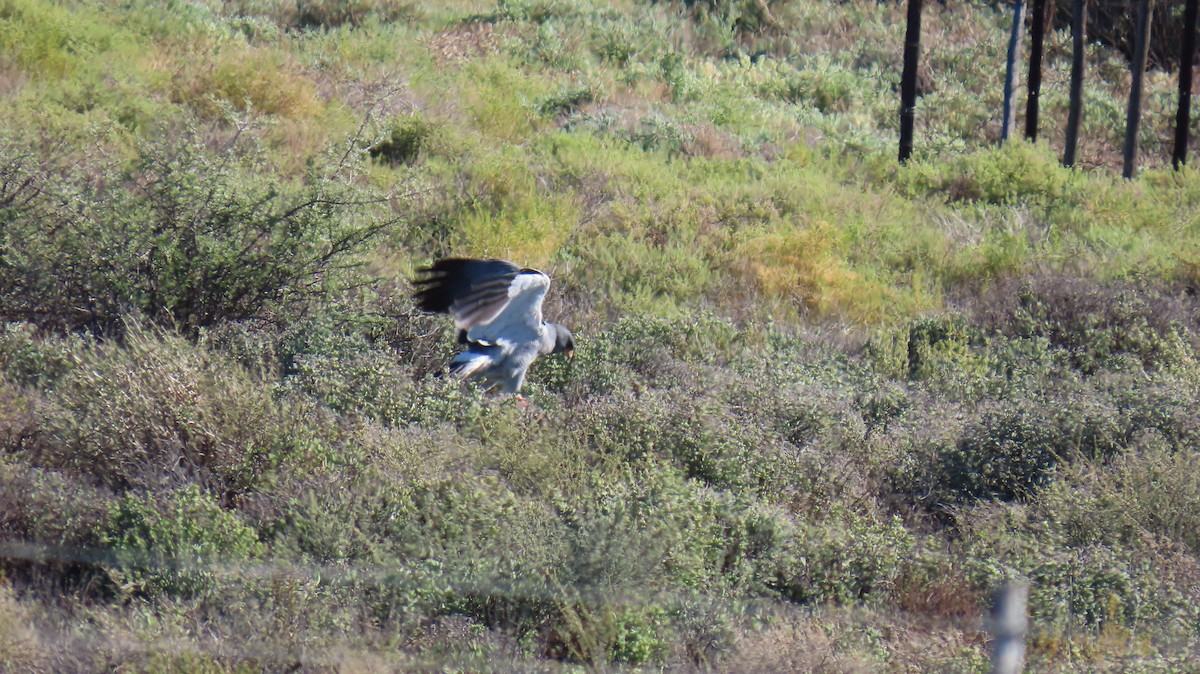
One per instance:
[(185, 234), (820, 406), (173, 547)]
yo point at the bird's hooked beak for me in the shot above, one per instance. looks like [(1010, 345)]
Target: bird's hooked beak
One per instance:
[(569, 353)]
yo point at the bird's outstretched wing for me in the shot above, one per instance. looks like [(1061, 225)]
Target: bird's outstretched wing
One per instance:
[(492, 301)]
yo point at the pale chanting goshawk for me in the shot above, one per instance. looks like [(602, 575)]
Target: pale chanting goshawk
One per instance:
[(497, 308)]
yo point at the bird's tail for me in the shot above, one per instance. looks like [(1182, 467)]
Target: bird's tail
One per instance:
[(468, 363)]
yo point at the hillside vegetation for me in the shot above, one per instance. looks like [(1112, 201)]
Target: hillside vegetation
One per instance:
[(822, 405)]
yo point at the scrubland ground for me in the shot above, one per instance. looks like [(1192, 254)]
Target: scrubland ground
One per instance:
[(822, 404)]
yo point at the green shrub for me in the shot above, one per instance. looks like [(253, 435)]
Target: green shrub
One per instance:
[(743, 15), (944, 353), (1100, 326), (649, 348), (843, 562), (44, 507), (821, 84), (705, 439), (1011, 449), (1010, 175), (533, 11), (162, 410), (1094, 587), (322, 14), (172, 547), (339, 366), (638, 641), (37, 360), (185, 236), (1161, 408), (1147, 493), (566, 101), (403, 142), (21, 646)]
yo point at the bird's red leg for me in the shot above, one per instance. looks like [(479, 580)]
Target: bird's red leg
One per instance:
[(522, 402)]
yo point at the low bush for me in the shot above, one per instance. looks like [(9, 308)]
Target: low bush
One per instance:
[(21, 646), (857, 563), (322, 14), (1097, 325), (745, 16), (47, 508), (403, 141), (224, 243), (29, 358), (706, 440), (1010, 175), (340, 367), (171, 546), (1145, 494), (160, 411)]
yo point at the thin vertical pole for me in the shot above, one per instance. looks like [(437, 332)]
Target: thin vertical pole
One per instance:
[(1075, 112), (1037, 38), (1141, 43), (1186, 57), (908, 79), (1010, 73), (1008, 626)]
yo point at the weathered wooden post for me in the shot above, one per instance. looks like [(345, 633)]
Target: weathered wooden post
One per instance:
[(1037, 39), (1010, 72), (1141, 44), (1008, 627), (908, 79), (1075, 111), (1187, 54)]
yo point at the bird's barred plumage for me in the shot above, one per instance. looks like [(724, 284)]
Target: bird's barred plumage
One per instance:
[(497, 308)]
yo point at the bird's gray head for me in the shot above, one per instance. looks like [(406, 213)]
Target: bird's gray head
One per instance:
[(564, 341)]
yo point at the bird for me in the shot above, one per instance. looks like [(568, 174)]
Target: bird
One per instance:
[(497, 309)]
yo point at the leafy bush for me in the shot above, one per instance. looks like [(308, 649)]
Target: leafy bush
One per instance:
[(43, 507), (21, 647), (162, 411), (1010, 449), (822, 84), (844, 565), (1098, 326), (566, 100), (322, 14), (1147, 493), (944, 353), (31, 359), (170, 547), (706, 441), (187, 237), (1012, 174), (403, 142), (743, 15), (339, 365)]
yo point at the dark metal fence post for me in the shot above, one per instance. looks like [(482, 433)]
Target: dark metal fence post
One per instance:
[(1186, 57), (1010, 72), (908, 79), (1037, 39), (1141, 43), (1075, 112)]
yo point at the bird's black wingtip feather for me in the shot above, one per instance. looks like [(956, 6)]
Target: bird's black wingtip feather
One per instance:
[(449, 278)]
